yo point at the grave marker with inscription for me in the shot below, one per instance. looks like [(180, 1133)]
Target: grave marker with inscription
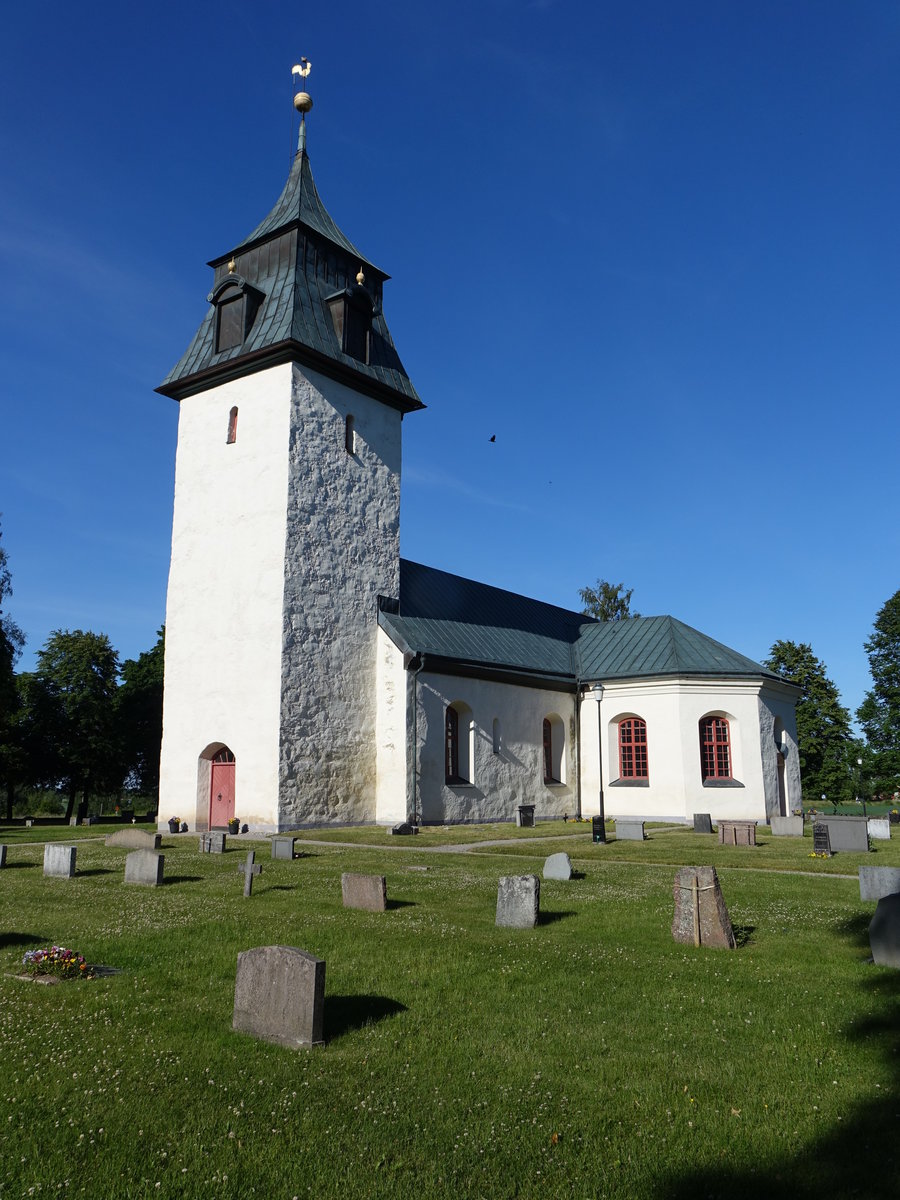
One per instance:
[(59, 860), (518, 901), (821, 840), (368, 892), (279, 995), (144, 867)]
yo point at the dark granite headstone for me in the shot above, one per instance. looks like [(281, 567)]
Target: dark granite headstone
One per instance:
[(702, 823), (821, 839), (701, 916), (598, 830), (884, 932), (404, 829), (279, 995), (525, 816)]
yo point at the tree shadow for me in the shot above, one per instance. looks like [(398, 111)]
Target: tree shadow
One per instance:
[(856, 1157), (343, 1014), (550, 918)]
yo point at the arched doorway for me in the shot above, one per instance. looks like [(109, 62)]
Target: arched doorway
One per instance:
[(221, 789)]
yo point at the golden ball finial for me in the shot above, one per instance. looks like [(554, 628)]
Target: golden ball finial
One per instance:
[(360, 278), (303, 102)]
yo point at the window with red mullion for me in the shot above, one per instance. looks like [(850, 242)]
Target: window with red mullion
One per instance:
[(715, 748), (633, 749)]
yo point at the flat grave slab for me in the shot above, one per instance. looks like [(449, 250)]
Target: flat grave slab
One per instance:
[(279, 996), (59, 860), (737, 833), (518, 901), (368, 892), (134, 839), (558, 866), (144, 867), (629, 831)]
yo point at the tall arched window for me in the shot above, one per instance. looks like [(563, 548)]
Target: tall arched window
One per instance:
[(633, 749), (715, 748), (232, 426), (554, 745), (350, 435), (459, 744)]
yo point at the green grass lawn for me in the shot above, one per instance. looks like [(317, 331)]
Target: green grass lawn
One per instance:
[(590, 1057)]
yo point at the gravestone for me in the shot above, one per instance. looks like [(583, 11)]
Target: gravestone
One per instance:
[(248, 869), (144, 867), (884, 931), (786, 826), (598, 830), (702, 823), (518, 901), (368, 892), (2, 857), (737, 833), (404, 829), (821, 840), (558, 866), (846, 833), (629, 831), (875, 882), (212, 843), (283, 847), (134, 839), (279, 996), (525, 816), (59, 860), (879, 828), (701, 916)]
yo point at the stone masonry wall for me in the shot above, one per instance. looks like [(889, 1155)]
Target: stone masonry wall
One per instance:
[(342, 551)]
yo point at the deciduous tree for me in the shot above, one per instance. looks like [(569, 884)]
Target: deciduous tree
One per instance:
[(139, 702), (607, 601), (823, 723), (879, 713)]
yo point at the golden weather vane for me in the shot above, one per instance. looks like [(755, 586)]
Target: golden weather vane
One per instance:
[(302, 100)]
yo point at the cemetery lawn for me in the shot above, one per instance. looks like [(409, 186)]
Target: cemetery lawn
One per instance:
[(590, 1057)]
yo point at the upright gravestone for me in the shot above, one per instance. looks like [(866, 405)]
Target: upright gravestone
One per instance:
[(283, 847), (217, 841), (786, 826), (629, 831), (368, 892), (737, 833), (701, 916), (279, 995), (875, 882), (134, 839), (59, 860), (879, 829), (821, 840), (598, 830), (404, 829), (702, 823), (558, 866), (846, 833), (518, 901), (525, 816), (144, 867), (884, 932), (2, 857)]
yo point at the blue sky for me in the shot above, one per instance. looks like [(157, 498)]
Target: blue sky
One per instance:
[(654, 248)]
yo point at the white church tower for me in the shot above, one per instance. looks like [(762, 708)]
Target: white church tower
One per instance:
[(286, 527)]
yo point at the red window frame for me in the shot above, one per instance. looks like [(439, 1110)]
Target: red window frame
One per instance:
[(715, 748), (451, 746), (633, 762)]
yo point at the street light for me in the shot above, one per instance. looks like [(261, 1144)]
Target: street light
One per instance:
[(859, 785)]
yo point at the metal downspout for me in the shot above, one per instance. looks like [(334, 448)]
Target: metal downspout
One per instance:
[(578, 748)]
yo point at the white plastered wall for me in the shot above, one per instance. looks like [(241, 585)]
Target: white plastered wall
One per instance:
[(224, 605), (499, 781), (672, 709)]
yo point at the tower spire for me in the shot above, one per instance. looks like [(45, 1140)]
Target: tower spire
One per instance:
[(302, 101)]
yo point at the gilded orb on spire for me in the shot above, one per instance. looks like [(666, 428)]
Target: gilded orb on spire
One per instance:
[(302, 100)]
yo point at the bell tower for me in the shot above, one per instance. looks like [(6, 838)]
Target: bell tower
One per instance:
[(286, 524)]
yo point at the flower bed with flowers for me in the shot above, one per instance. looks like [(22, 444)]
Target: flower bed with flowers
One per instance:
[(58, 961)]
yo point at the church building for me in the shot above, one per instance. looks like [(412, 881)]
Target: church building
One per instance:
[(315, 677)]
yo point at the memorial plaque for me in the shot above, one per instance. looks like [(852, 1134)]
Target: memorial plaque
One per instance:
[(821, 839)]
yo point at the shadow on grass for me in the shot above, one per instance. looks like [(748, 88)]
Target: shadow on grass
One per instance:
[(858, 1156), (170, 879), (743, 935), (343, 1014), (19, 866), (550, 918), (400, 904), (20, 939), (80, 874)]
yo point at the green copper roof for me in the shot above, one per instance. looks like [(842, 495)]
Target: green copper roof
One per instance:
[(290, 266), (446, 617)]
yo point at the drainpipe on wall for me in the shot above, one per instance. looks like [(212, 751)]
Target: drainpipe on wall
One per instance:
[(414, 663), (597, 693), (578, 749)]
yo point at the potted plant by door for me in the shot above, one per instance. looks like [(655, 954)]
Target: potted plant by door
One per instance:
[(233, 825)]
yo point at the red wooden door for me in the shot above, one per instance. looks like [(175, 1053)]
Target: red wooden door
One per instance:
[(221, 792)]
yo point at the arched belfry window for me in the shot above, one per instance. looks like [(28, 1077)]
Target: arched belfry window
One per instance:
[(236, 304), (352, 310)]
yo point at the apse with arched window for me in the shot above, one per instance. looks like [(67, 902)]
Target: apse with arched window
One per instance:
[(633, 761), (715, 748)]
